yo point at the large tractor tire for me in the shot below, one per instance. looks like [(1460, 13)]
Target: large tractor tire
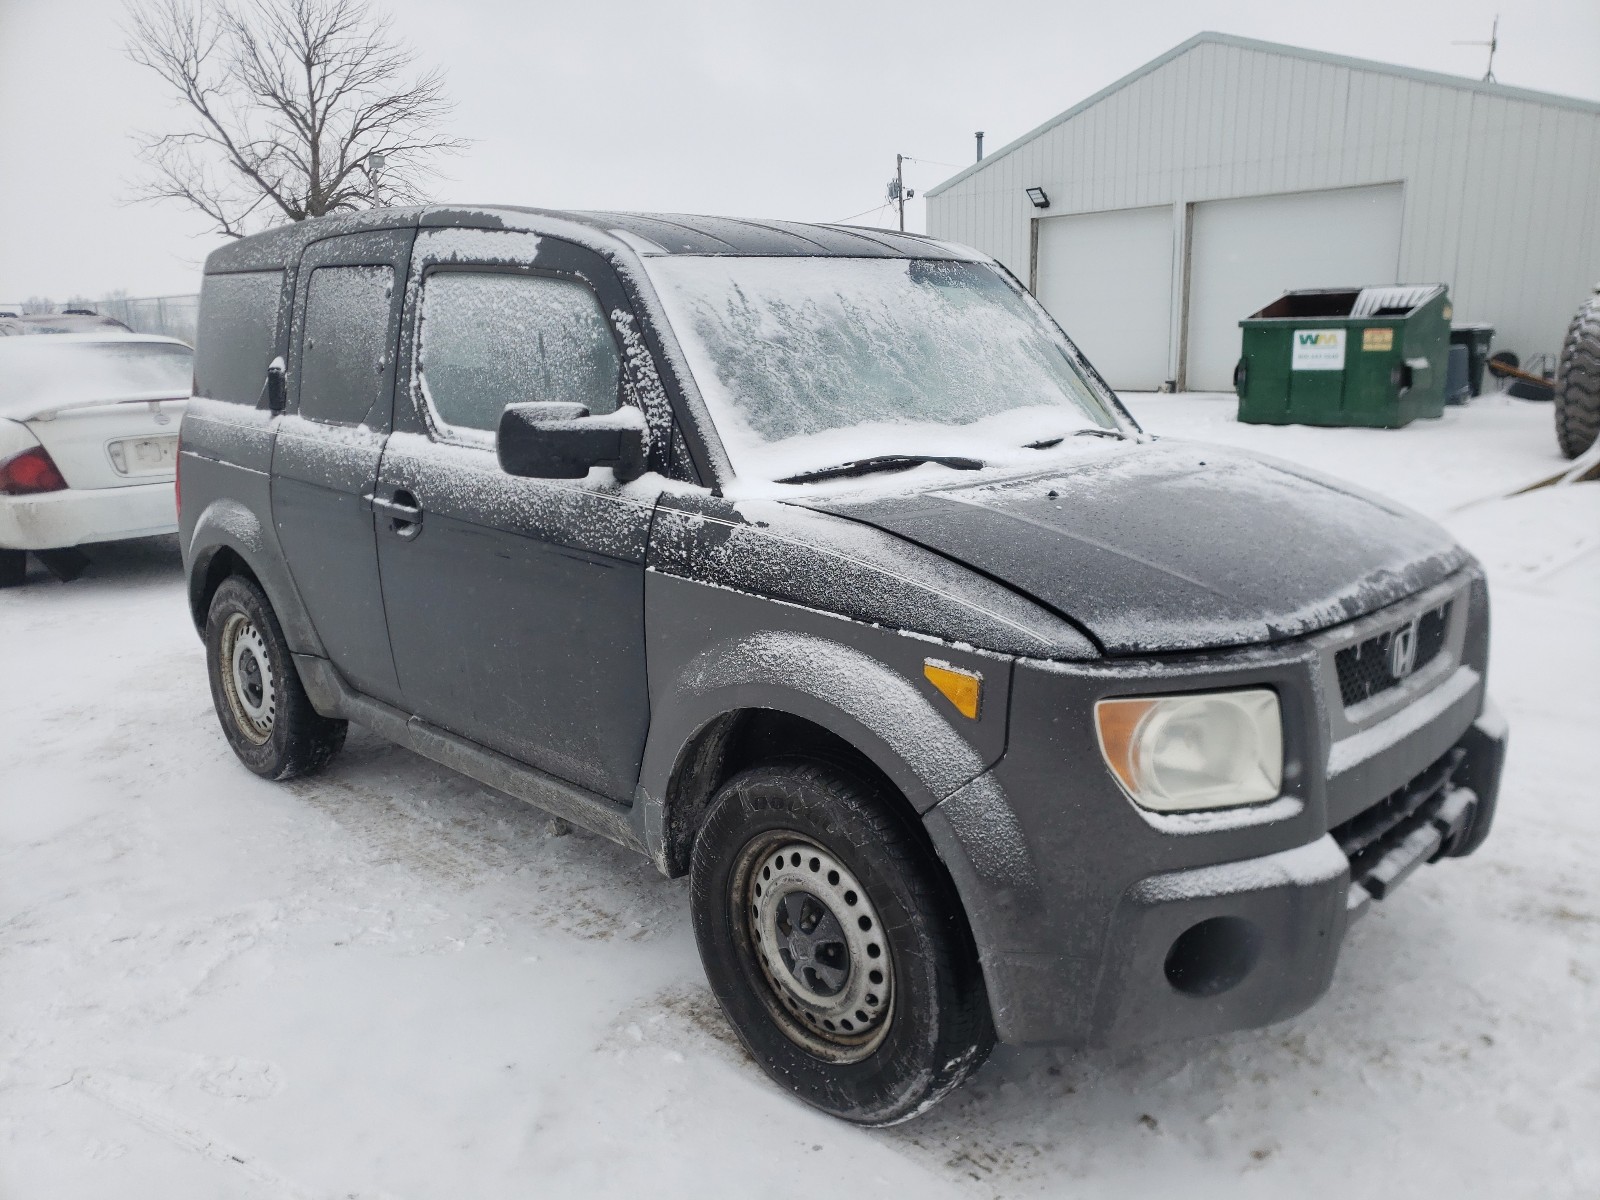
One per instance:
[(1578, 382)]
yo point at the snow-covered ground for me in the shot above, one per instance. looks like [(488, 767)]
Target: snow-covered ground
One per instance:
[(388, 981)]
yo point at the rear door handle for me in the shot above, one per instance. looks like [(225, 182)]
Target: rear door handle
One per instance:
[(403, 511)]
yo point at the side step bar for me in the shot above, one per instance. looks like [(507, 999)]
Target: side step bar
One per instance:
[(332, 697)]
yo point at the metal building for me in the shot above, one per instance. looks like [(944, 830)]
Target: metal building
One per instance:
[(1194, 191)]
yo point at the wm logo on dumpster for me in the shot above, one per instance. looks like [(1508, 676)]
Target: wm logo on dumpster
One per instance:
[(1317, 350)]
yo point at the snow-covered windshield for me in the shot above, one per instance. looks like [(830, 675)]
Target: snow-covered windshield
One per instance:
[(39, 373), (810, 362)]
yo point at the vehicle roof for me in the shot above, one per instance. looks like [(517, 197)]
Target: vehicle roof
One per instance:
[(646, 234), (96, 336), (681, 233), (30, 323)]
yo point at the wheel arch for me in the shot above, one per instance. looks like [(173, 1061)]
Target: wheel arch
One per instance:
[(228, 539), (210, 570), (772, 695), (741, 738)]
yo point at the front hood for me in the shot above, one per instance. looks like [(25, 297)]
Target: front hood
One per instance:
[(1177, 546)]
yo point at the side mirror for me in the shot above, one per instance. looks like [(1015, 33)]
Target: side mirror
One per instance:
[(274, 392), (550, 440)]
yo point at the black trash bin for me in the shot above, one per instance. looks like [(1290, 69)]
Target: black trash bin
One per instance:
[(1476, 338), (1457, 386)]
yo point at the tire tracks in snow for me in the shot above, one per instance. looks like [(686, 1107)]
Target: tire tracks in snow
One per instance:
[(400, 812), (122, 1095)]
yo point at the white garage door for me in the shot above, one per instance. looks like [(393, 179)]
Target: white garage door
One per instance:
[(1107, 278), (1245, 253)]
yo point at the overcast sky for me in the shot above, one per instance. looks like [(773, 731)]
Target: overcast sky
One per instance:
[(756, 110)]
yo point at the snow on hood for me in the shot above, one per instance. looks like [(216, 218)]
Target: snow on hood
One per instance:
[(1175, 546)]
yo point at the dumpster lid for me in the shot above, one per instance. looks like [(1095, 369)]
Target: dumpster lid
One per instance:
[(1399, 301)]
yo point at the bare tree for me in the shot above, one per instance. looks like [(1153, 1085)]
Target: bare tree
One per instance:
[(38, 304), (296, 109)]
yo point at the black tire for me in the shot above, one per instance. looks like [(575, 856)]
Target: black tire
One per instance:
[(897, 1053), (264, 711), (13, 568), (1578, 382)]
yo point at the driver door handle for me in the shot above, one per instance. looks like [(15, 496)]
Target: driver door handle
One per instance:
[(403, 511)]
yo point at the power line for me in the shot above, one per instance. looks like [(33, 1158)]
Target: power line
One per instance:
[(898, 192), (862, 213)]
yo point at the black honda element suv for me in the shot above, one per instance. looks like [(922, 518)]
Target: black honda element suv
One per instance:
[(816, 562)]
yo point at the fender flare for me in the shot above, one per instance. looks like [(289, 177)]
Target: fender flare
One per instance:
[(969, 820), (226, 524), (838, 687)]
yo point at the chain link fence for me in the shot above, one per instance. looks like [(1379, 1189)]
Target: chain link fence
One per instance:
[(171, 316)]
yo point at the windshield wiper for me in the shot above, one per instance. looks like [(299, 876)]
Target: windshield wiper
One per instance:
[(884, 462), (1052, 443)]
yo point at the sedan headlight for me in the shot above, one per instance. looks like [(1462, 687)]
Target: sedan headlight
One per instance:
[(1200, 750)]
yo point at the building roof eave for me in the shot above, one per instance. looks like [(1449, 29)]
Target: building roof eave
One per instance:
[(1499, 90)]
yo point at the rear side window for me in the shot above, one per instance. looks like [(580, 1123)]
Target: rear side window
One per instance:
[(344, 358), (489, 340), (237, 334)]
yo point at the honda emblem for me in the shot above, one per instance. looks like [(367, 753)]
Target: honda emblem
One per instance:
[(1403, 651)]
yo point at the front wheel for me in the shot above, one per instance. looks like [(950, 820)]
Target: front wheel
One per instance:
[(265, 713), (835, 943)]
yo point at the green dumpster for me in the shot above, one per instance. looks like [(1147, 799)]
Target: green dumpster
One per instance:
[(1346, 356)]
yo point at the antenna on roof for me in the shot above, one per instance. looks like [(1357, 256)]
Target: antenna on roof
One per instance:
[(1493, 43)]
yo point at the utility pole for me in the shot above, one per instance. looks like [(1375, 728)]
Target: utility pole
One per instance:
[(375, 164), (898, 194)]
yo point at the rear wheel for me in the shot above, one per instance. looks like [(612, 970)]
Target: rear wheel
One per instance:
[(836, 944), (265, 713), (1578, 383), (13, 568)]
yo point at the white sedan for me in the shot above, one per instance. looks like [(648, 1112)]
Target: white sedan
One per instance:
[(88, 442)]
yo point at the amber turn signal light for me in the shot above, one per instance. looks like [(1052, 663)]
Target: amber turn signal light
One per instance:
[(964, 689)]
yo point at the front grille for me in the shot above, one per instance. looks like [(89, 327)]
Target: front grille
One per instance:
[(1365, 670)]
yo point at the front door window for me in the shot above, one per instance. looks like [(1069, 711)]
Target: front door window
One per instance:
[(492, 339)]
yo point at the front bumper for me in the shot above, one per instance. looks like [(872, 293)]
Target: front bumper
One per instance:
[(1222, 946), (1248, 943), (78, 516), (1101, 923)]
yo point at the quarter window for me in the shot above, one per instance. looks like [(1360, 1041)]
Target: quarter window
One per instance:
[(237, 334), (489, 340), (345, 357)]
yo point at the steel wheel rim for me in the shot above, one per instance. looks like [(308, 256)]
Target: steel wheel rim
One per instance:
[(819, 946), (247, 678)]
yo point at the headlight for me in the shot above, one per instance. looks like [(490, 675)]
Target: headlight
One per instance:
[(1201, 750)]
